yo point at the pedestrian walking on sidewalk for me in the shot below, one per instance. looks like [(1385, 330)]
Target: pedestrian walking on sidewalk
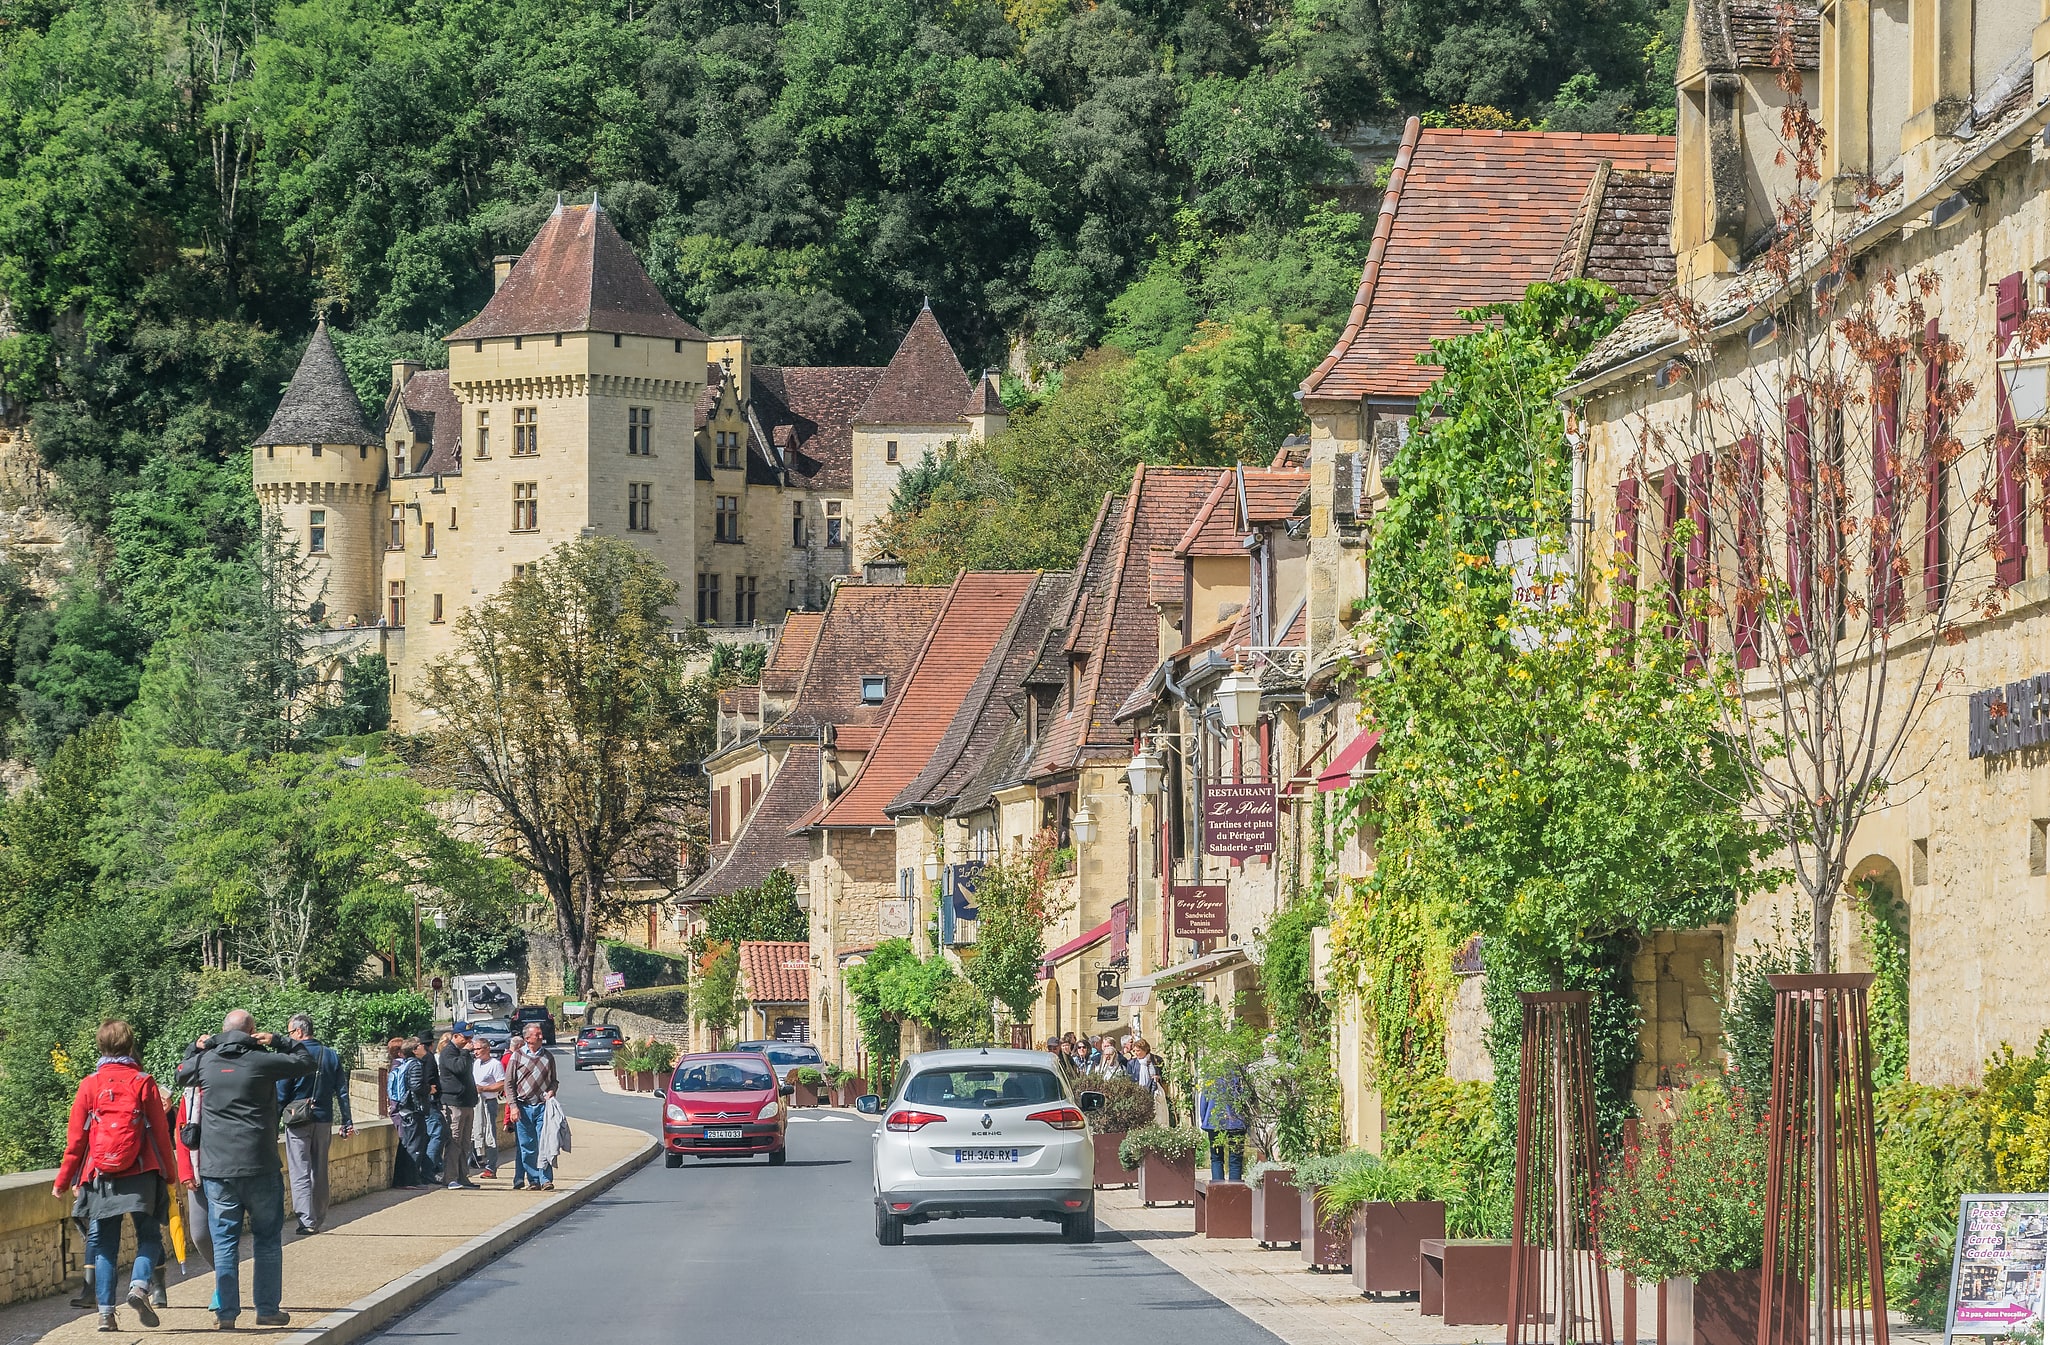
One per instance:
[(457, 1069), (309, 1106), (437, 1126), (489, 1076), (411, 1092), (238, 1071), (530, 1083), (117, 1156)]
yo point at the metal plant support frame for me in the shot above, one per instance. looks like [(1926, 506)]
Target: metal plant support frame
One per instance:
[(1558, 1284), (1822, 1282)]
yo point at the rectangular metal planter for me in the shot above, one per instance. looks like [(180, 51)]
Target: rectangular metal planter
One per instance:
[(1716, 1307), (1464, 1280), (1223, 1209), (1325, 1247), (1385, 1235), (1277, 1210), (1108, 1172), (1167, 1181)]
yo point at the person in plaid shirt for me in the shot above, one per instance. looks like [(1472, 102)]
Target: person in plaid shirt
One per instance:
[(529, 1083)]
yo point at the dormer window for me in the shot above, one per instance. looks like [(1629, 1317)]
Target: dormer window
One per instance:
[(873, 689)]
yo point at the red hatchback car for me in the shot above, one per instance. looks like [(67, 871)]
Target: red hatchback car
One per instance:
[(724, 1104)]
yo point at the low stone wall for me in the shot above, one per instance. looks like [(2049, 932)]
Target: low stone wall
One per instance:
[(639, 1025), (42, 1251)]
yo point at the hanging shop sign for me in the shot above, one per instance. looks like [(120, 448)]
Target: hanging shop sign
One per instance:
[(1997, 1275), (1198, 911), (2005, 718), (1541, 581), (1238, 820)]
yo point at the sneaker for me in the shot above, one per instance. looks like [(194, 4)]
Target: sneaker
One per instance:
[(224, 1323), (138, 1299), (107, 1322), (305, 1230), (273, 1319), (457, 1186)]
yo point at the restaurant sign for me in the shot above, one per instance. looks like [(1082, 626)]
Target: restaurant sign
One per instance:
[(1198, 911), (2005, 718), (1238, 820)]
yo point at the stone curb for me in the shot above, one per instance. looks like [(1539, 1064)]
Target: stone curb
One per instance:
[(380, 1308)]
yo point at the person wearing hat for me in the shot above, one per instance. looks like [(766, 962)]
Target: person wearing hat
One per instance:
[(458, 1071)]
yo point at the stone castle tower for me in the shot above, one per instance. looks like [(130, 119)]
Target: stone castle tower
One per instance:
[(578, 403)]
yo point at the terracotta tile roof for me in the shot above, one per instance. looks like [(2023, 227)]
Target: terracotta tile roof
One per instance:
[(434, 415), (775, 973), (1212, 532), (977, 615), (923, 383), (870, 630), (578, 275), (1294, 452), (992, 704), (809, 414), (1622, 232), (794, 642), (764, 844), (985, 400), (1164, 577), (1121, 640), (1271, 494), (856, 737), (1296, 634), (319, 406), (1470, 218)]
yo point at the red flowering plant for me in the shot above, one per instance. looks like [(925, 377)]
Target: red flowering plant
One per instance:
[(1691, 1197)]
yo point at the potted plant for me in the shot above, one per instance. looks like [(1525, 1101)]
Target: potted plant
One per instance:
[(1326, 1242), (1388, 1207), (1126, 1107), (623, 1057), (1687, 1207), (808, 1080), (1277, 1205), (661, 1058), (644, 1065), (1165, 1160)]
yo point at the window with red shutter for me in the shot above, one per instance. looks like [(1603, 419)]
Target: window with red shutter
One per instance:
[(1697, 553), (1750, 547), (1934, 429), (1800, 523), (1669, 561), (2010, 493), (1887, 599)]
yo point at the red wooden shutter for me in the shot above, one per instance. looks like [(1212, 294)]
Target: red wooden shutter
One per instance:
[(1887, 600), (2010, 494), (1750, 547), (1669, 564), (1697, 553), (1934, 430), (1800, 523), (1626, 553)]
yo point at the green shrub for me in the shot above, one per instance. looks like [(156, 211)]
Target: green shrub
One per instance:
[(810, 1076), (1126, 1105), (1165, 1141), (659, 1055), (1692, 1199), (642, 967), (670, 1003), (1366, 1181)]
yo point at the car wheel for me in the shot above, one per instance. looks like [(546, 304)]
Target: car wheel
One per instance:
[(889, 1229), (672, 1160), (778, 1157), (1078, 1228)]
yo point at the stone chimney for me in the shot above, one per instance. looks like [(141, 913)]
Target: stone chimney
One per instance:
[(501, 267), (884, 568), (402, 372)]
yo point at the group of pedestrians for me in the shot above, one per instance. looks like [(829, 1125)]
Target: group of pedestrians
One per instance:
[(450, 1102), (1106, 1056), (207, 1167)]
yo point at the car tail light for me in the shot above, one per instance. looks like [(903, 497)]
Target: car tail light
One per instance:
[(1060, 1118), (914, 1120)]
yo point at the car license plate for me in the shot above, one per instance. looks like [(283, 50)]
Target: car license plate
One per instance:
[(985, 1155), (723, 1134)]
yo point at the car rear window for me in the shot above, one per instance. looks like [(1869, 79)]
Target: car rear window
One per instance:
[(787, 1055), (983, 1088), (721, 1076)]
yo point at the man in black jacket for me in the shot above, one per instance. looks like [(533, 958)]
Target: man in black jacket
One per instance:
[(410, 1114), (458, 1071), (238, 1071)]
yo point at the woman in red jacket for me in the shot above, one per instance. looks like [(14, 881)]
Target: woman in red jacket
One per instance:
[(119, 1160)]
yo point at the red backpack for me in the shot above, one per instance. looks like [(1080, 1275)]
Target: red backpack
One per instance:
[(117, 1126)]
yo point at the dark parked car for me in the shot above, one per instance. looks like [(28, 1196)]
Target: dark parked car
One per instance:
[(595, 1046), (534, 1013), (493, 1030), (786, 1055)]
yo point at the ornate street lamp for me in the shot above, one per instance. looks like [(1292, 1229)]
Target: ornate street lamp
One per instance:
[(1238, 696), (1084, 825), (1144, 774)]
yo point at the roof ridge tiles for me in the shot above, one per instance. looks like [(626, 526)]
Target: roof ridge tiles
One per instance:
[(923, 384)]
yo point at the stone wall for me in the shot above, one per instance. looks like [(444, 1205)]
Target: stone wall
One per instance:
[(42, 1251), (640, 1025), (1679, 1032)]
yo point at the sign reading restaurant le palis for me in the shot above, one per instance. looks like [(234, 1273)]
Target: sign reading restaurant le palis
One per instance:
[(1238, 820), (1198, 912), (2005, 718)]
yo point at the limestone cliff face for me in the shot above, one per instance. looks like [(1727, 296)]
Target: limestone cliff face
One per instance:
[(43, 540)]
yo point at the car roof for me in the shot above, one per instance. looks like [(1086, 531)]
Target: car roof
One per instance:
[(719, 1055), (990, 1057), (779, 1045)]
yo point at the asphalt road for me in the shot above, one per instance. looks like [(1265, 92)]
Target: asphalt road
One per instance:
[(744, 1253)]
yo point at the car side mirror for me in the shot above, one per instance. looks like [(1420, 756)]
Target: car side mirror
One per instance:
[(1093, 1102), (868, 1104), (785, 1091)]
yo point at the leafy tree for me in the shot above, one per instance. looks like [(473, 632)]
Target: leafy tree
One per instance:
[(567, 705), (76, 661), (1228, 397), (715, 998), (1013, 910), (766, 911), (47, 872)]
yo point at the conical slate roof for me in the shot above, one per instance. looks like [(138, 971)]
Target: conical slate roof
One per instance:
[(923, 384), (319, 407), (578, 275)]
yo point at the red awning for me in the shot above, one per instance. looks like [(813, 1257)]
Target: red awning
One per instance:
[(1072, 947), (1339, 773)]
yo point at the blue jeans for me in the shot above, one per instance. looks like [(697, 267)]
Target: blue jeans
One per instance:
[(103, 1245), (262, 1200), (437, 1140), (1231, 1145), (529, 1132)]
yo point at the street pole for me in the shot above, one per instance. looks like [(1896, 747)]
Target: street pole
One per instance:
[(416, 943)]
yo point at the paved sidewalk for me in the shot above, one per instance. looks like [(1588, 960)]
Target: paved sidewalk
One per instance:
[(370, 1245)]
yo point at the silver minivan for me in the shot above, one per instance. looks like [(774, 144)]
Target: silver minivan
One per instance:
[(984, 1133)]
